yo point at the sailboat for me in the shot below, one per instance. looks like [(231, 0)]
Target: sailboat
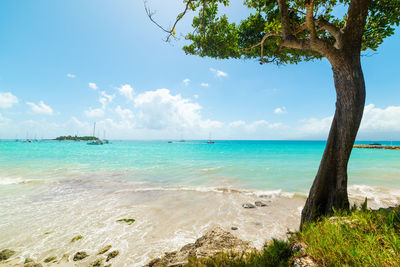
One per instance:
[(94, 141), (209, 140)]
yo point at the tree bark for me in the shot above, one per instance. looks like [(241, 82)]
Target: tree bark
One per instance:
[(329, 190)]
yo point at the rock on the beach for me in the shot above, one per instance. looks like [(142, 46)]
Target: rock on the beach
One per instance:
[(260, 204), (50, 259), (31, 263), (104, 250), (213, 242), (96, 263), (28, 260), (296, 247), (234, 228), (112, 255), (5, 254), (305, 261), (80, 255), (76, 238), (248, 206)]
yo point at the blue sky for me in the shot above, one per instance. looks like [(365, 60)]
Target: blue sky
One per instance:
[(67, 64)]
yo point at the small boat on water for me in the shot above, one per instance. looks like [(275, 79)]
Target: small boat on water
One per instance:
[(209, 140), (95, 141)]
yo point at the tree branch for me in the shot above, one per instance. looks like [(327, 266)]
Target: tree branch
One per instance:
[(288, 39), (283, 7), (293, 42), (299, 29), (312, 43), (310, 20), (171, 32), (261, 44), (333, 30), (296, 10)]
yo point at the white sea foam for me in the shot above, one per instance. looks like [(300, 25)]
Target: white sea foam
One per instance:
[(378, 196), (204, 189), (18, 180), (212, 169)]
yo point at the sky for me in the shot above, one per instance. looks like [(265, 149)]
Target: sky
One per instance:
[(65, 65)]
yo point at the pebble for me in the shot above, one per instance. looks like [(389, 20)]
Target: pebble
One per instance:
[(260, 204), (248, 206)]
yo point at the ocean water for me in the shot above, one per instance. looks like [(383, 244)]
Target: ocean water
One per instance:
[(175, 191)]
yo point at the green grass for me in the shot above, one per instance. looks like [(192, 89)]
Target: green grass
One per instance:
[(359, 237), (277, 253)]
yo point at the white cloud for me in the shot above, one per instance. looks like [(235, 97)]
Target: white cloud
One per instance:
[(69, 75), (104, 99), (103, 102), (125, 114), (381, 120), (377, 123), (3, 119), (127, 119), (94, 113), (280, 110), (40, 108), (237, 123), (257, 125), (77, 122), (204, 84), (219, 73), (109, 97), (93, 86), (314, 128), (256, 130), (186, 81), (159, 114), (196, 96), (127, 91), (7, 100), (160, 109)]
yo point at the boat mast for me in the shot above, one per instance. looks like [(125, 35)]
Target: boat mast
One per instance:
[(94, 130)]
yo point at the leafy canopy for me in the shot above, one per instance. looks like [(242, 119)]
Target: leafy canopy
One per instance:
[(259, 36)]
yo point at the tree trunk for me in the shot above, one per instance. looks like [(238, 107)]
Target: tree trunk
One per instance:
[(329, 190)]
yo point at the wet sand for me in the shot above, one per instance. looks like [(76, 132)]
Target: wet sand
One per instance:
[(42, 223)]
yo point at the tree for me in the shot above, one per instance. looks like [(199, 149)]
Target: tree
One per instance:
[(291, 31)]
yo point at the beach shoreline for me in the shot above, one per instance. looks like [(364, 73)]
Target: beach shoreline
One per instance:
[(166, 218)]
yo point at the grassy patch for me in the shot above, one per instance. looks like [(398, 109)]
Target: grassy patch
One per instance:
[(360, 237), (277, 253)]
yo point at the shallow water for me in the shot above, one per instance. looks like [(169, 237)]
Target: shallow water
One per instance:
[(174, 191)]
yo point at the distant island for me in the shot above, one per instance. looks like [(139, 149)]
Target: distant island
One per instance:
[(76, 138)]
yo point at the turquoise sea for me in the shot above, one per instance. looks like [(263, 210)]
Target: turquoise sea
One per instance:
[(51, 191), (267, 165)]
